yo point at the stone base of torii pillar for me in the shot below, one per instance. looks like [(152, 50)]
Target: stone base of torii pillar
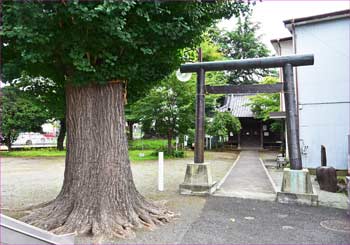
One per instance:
[(297, 188), (198, 180)]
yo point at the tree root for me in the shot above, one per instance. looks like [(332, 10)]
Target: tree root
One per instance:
[(66, 217)]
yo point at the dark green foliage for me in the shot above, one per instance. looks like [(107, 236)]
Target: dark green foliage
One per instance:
[(21, 112), (179, 154), (223, 123), (96, 42), (174, 153), (242, 43)]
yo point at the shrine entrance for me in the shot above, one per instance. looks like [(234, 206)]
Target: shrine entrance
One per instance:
[(250, 134), (198, 178)]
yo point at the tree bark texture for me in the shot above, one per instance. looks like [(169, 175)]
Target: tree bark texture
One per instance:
[(61, 135), (98, 195)]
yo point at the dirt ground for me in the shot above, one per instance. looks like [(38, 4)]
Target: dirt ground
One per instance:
[(28, 181)]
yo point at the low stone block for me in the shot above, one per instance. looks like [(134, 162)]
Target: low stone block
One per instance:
[(327, 178), (296, 181), (198, 180)]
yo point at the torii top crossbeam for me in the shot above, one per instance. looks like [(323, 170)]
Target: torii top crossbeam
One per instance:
[(268, 62)]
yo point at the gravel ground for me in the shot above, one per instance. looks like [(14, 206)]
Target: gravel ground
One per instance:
[(28, 181)]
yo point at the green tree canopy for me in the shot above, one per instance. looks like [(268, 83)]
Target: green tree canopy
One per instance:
[(168, 109), (21, 112), (223, 123), (50, 94), (241, 43), (99, 42)]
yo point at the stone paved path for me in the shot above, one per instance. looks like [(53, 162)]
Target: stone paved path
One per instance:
[(247, 179)]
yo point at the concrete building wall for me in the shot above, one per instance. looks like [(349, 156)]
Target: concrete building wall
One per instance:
[(324, 91), (283, 46)]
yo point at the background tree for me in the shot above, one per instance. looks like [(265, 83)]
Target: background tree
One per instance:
[(168, 109), (101, 51), (21, 112), (52, 98), (242, 43), (263, 104), (131, 118), (223, 123)]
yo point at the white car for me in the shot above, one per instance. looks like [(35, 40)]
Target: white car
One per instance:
[(35, 139)]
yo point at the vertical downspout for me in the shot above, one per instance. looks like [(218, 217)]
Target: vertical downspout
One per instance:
[(296, 69), (281, 77), (284, 136), (296, 76)]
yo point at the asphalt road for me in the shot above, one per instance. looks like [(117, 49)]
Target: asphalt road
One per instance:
[(227, 220)]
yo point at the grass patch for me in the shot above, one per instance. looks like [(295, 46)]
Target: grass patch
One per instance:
[(52, 152), (134, 155), (47, 152), (147, 144)]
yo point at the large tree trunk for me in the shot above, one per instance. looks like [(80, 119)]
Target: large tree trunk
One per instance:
[(61, 135), (98, 194)]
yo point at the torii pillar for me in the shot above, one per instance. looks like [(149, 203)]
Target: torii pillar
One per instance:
[(198, 177)]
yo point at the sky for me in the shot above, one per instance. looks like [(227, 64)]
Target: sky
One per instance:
[(272, 13)]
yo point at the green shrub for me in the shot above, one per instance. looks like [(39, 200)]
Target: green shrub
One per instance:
[(178, 154), (174, 154)]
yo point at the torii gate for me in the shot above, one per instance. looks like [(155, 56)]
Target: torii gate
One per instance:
[(198, 171)]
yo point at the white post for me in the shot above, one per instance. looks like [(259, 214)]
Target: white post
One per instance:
[(161, 171)]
